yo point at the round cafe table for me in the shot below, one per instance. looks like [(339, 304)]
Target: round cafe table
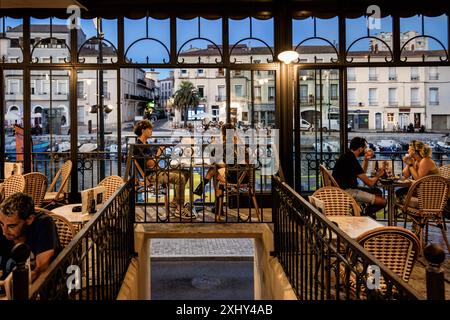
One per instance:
[(78, 219), (389, 186)]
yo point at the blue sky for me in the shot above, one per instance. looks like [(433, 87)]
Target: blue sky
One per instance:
[(159, 32)]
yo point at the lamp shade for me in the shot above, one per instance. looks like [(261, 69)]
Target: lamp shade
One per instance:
[(288, 56)]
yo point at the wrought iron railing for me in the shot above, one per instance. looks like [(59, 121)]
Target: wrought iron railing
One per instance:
[(188, 163), (310, 161), (322, 262), (93, 265)]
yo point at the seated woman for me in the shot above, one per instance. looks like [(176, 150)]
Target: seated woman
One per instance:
[(418, 164), (218, 170)]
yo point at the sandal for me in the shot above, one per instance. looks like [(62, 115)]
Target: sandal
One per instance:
[(186, 213)]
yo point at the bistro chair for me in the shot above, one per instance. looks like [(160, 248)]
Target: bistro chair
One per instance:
[(53, 197), (396, 248), (36, 186), (66, 230), (13, 184), (334, 201), (445, 171), (425, 201), (111, 184), (244, 185), (327, 178)]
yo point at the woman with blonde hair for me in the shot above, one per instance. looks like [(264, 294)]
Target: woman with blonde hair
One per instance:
[(418, 162)]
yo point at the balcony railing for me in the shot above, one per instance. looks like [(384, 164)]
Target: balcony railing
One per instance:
[(434, 103), (351, 77), (373, 102), (415, 77), (393, 103), (189, 162), (101, 252), (320, 260), (415, 103), (373, 77)]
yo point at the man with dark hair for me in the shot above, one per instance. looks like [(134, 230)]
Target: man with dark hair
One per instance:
[(347, 171), (20, 224)]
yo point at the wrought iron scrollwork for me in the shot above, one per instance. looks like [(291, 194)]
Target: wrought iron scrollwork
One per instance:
[(387, 59), (251, 57), (404, 59), (148, 39), (97, 40), (321, 39), (46, 41), (199, 57)]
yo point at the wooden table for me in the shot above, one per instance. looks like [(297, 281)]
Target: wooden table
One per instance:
[(355, 226), (78, 219)]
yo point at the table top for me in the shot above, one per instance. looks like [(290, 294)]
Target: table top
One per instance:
[(355, 226), (74, 217)]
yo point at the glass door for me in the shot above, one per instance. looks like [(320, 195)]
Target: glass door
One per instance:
[(316, 125)]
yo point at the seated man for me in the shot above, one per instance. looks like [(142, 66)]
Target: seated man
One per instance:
[(20, 224), (347, 170), (148, 162)]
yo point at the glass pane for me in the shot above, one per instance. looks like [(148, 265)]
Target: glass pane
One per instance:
[(50, 120), (318, 125), (97, 136), (150, 45), (199, 40), (13, 82), (309, 46), (50, 40), (11, 40)]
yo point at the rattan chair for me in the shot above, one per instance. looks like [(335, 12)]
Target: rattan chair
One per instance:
[(445, 171), (111, 184), (13, 184), (66, 230), (335, 202), (425, 201), (396, 247), (327, 178), (36, 186), (53, 197), (243, 186)]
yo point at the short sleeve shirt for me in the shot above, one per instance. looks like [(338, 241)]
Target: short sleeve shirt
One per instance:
[(142, 155), (346, 171), (41, 236)]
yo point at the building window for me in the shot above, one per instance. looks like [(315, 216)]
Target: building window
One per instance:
[(434, 74), (351, 75), (33, 86), (373, 74), (393, 97), (271, 95), (415, 100), (238, 90), (201, 91), (351, 97), (258, 93), (392, 73), (221, 72), (373, 99), (434, 96), (415, 73), (390, 117), (303, 93), (220, 93), (200, 73), (183, 73), (334, 92)]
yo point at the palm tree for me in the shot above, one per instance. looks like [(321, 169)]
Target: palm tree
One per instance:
[(186, 96)]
